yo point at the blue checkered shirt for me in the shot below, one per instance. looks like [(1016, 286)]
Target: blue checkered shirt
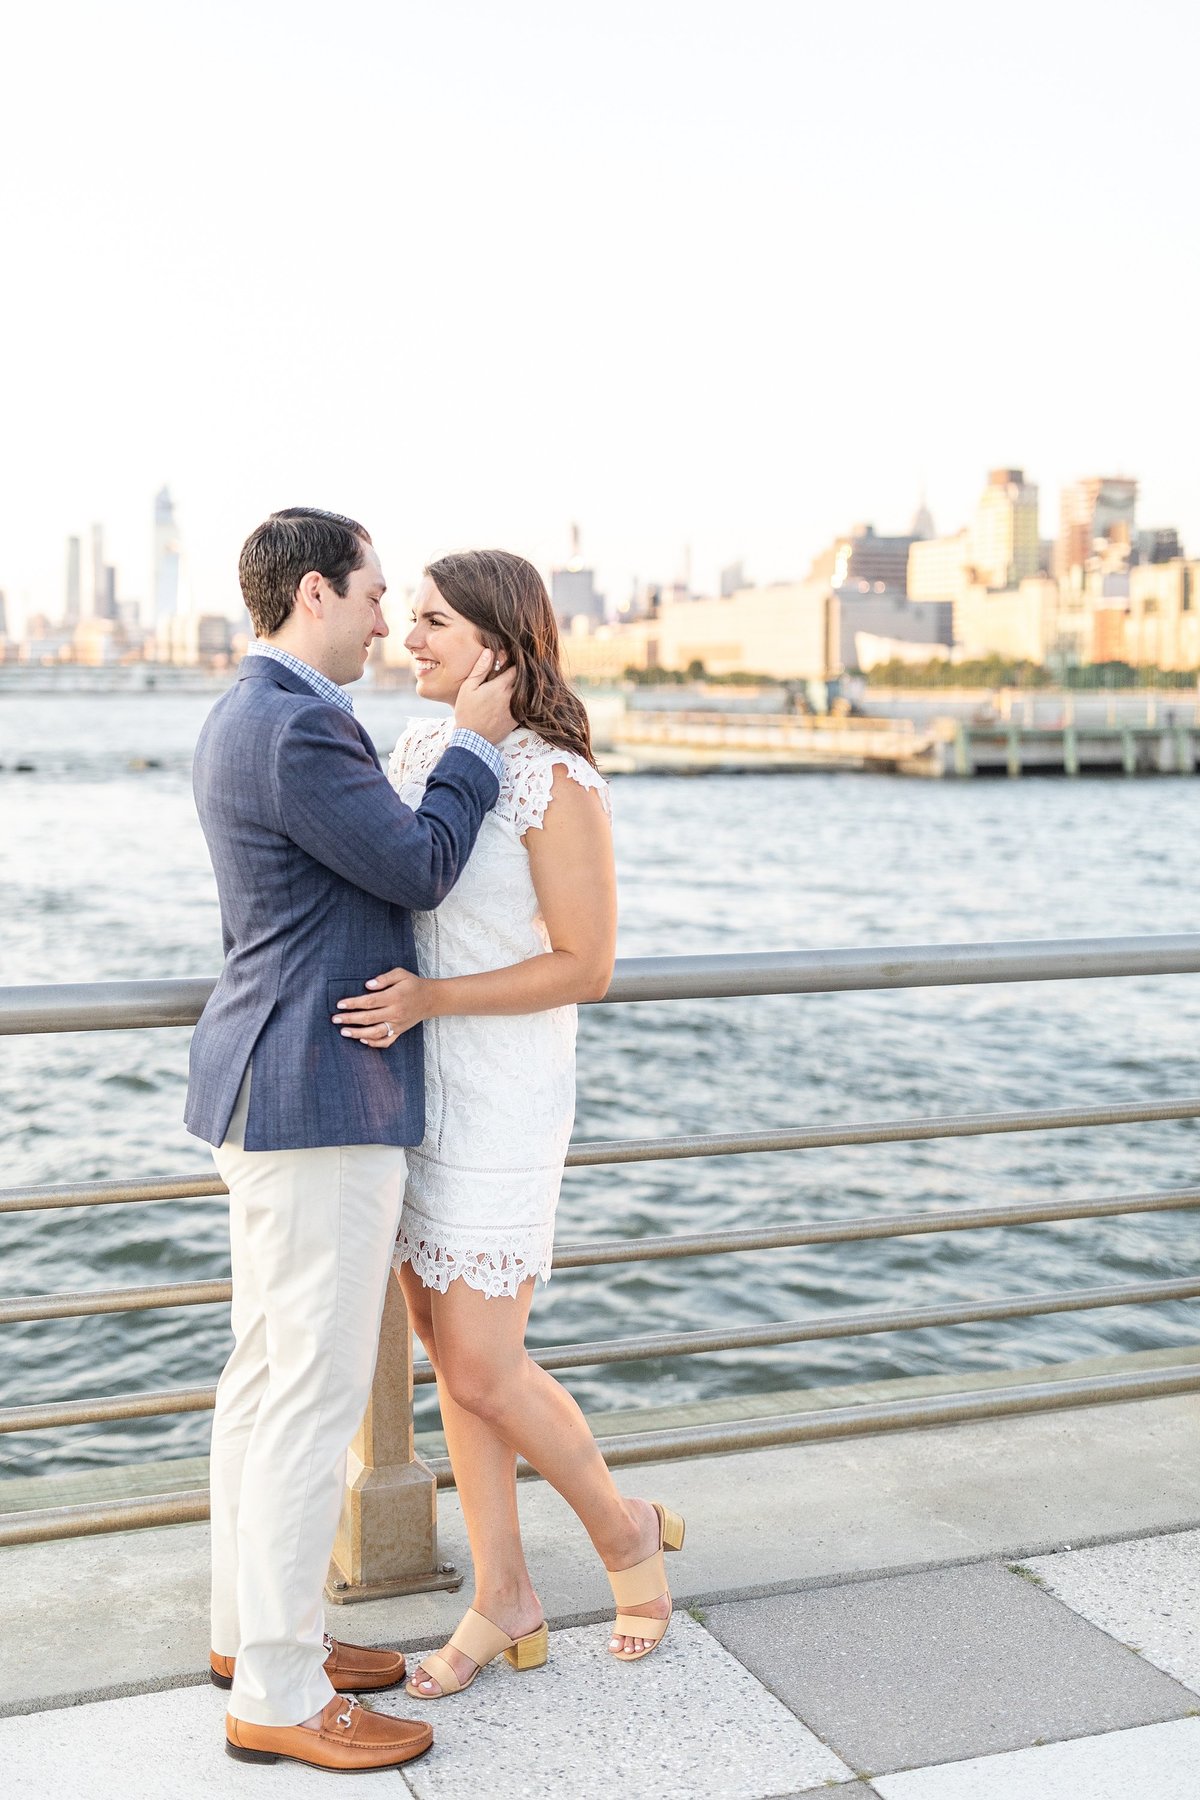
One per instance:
[(337, 696)]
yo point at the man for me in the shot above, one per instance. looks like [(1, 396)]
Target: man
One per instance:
[(317, 863)]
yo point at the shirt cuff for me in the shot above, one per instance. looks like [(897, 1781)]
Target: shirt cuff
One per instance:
[(461, 739)]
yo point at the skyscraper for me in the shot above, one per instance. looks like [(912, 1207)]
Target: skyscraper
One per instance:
[(74, 565), (1098, 515), (1004, 537), (103, 581), (166, 558), (573, 591)]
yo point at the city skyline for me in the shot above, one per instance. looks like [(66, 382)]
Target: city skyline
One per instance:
[(695, 275), (159, 595)]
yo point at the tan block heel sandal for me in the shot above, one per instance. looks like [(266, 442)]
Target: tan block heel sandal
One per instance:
[(483, 1642), (643, 1582)]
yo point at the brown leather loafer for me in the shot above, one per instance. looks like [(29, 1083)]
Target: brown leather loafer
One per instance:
[(351, 1668), (348, 1740)]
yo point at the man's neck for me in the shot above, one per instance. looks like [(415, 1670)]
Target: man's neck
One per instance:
[(301, 651)]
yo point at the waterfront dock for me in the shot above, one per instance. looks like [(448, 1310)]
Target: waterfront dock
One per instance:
[(714, 742), (1000, 1610)]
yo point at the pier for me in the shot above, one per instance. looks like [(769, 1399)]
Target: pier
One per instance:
[(699, 742), (959, 1586)]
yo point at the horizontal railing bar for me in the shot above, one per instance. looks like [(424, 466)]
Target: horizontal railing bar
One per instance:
[(102, 1411), (110, 1300), (137, 1005), (683, 1343), (598, 1152), (666, 1446), (110, 1193), (102, 1005), (595, 1152), (34, 1307), (98, 1517), (901, 966), (850, 1324), (883, 1225), (872, 1421)]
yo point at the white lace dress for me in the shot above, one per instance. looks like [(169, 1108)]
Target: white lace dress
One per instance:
[(499, 1091)]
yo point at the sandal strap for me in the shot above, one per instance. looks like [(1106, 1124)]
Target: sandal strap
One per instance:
[(439, 1670), (479, 1639), (629, 1625), (644, 1581)]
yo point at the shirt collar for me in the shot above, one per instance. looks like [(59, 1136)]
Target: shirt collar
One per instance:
[(320, 684)]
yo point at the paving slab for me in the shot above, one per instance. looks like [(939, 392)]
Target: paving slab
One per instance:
[(690, 1723), (1155, 1762), (842, 1790), (1145, 1592), (949, 1663)]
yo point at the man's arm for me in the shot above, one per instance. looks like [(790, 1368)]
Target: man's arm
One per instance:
[(337, 805)]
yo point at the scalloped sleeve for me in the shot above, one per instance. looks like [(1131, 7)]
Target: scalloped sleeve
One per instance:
[(531, 772)]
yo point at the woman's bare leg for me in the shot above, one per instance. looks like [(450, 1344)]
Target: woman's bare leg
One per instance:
[(485, 1475), (490, 1379)]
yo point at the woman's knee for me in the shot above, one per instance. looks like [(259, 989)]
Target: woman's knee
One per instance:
[(482, 1385)]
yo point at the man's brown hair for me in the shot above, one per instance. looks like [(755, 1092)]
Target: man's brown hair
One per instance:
[(285, 548)]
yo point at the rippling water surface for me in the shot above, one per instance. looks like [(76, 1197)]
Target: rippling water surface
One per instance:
[(104, 876)]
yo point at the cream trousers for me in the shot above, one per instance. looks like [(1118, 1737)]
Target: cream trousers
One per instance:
[(311, 1234)]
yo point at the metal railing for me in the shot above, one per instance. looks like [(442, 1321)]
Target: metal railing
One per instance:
[(385, 1450)]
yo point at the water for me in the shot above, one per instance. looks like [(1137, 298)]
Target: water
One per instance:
[(104, 875)]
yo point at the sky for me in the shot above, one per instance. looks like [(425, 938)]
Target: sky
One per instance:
[(712, 280)]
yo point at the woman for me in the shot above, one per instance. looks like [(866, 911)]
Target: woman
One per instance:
[(528, 931)]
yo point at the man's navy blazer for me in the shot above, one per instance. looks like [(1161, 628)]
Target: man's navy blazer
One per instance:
[(317, 863)]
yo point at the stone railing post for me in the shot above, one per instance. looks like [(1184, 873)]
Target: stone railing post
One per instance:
[(386, 1542)]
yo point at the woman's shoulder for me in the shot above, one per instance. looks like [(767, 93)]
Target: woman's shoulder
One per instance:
[(530, 763)]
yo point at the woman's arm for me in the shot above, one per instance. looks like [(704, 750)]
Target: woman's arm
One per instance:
[(571, 861)]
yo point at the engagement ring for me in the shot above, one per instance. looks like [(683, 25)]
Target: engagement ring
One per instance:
[(390, 1029)]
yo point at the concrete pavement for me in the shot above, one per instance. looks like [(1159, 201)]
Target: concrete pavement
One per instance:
[(1000, 1611), (966, 1683)]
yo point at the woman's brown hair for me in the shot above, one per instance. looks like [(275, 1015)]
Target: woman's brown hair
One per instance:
[(505, 599)]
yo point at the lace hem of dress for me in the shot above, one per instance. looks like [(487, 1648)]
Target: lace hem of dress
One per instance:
[(496, 1273)]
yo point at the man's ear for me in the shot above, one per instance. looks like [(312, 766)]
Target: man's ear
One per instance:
[(308, 594)]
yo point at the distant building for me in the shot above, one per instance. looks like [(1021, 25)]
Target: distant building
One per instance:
[(1097, 518), (1004, 535), (1160, 544), (1162, 624), (937, 567), (863, 563), (103, 581), (166, 559), (71, 609), (573, 591), (44, 642), (3, 619), (574, 595), (1018, 622), (781, 630), (854, 617), (605, 653), (196, 638), (733, 577), (922, 524), (97, 642)]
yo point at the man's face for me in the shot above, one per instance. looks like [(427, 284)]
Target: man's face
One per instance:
[(351, 622)]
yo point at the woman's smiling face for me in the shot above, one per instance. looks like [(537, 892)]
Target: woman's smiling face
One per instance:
[(443, 645)]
